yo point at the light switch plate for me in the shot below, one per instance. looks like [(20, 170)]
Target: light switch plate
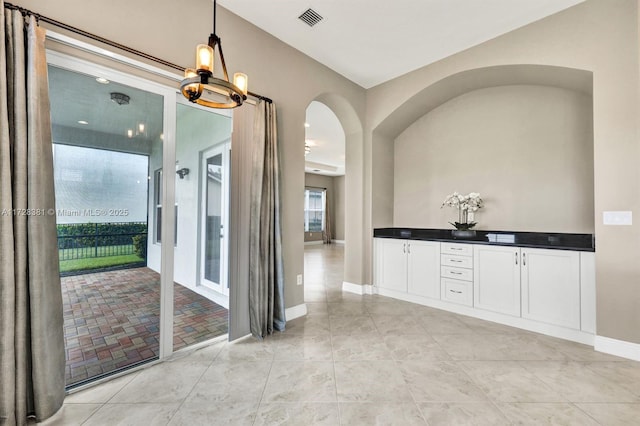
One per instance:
[(299, 279), (617, 218)]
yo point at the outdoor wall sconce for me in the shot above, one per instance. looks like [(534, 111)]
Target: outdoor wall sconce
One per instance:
[(182, 172)]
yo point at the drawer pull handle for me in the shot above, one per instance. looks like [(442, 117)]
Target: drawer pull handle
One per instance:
[(455, 273), (456, 248), (516, 258), (524, 259), (454, 291), (455, 261)]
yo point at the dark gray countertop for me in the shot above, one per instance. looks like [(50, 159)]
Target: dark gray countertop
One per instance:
[(548, 240)]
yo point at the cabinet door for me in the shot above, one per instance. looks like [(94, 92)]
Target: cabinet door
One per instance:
[(424, 268), (392, 256), (551, 286), (496, 282)]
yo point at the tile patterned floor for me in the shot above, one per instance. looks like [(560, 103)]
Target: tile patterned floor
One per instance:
[(111, 320), (369, 360)]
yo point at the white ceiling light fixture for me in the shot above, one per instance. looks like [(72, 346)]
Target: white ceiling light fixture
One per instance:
[(83, 122), (201, 87)]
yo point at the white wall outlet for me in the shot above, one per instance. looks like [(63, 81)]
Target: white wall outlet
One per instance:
[(299, 278), (617, 218)]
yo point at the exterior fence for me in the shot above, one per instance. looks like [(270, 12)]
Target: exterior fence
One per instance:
[(88, 240)]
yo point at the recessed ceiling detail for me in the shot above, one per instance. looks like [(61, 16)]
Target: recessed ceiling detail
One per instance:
[(310, 17)]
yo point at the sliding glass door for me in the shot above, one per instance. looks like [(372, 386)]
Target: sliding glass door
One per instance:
[(142, 190), (107, 141)]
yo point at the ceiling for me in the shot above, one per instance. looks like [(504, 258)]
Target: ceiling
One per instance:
[(372, 41), (79, 102)]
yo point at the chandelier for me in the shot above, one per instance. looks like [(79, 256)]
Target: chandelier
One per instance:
[(201, 87)]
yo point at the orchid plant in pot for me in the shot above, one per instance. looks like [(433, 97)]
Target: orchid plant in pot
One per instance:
[(465, 204)]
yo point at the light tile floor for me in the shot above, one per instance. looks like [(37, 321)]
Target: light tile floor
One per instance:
[(369, 360)]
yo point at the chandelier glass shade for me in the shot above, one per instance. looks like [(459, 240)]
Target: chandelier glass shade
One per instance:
[(201, 87)]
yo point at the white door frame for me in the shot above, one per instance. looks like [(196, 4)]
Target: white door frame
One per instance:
[(221, 287)]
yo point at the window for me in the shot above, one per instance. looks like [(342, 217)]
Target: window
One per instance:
[(314, 202)]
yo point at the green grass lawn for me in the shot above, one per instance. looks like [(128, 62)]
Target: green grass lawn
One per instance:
[(97, 262)]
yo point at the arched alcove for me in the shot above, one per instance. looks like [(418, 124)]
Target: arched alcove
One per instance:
[(442, 92)]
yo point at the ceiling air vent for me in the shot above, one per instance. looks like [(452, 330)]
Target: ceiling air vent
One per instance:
[(310, 17)]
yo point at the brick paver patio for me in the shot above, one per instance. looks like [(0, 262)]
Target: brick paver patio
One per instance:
[(111, 320)]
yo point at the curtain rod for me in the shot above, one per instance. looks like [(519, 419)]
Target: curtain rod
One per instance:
[(108, 42)]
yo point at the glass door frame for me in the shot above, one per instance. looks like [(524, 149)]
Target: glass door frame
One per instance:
[(75, 64), (222, 149)]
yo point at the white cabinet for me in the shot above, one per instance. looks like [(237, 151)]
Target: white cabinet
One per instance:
[(391, 265), (543, 290), (408, 266), (423, 260), (551, 286), (496, 283), (457, 273)]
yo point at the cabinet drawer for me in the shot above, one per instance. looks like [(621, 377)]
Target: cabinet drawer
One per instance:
[(457, 291), (459, 249), (457, 273), (456, 261)]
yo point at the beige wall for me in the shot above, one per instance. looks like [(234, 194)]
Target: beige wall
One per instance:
[(527, 149), (600, 36), (158, 27)]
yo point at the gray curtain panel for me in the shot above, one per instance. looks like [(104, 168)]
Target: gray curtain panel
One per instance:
[(32, 358), (266, 271), (327, 234)]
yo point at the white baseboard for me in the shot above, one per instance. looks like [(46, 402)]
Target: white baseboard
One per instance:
[(313, 243), (357, 288), (295, 312), (619, 348), (341, 242)]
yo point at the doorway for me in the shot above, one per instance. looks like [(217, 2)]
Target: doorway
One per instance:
[(324, 192)]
